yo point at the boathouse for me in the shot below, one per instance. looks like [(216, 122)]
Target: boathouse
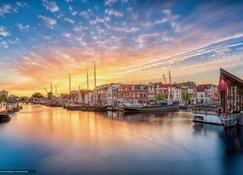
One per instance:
[(231, 93)]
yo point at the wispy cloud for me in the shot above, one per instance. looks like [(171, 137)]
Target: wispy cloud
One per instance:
[(50, 5), (4, 32), (6, 9), (113, 12), (110, 2), (23, 27), (50, 22), (69, 20), (126, 29)]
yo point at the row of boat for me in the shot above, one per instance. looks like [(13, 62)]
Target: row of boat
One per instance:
[(5, 116), (132, 108)]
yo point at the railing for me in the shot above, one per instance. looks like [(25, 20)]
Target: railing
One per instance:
[(207, 110)]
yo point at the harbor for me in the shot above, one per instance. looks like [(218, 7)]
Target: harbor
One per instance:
[(51, 140), (121, 87), (212, 104)]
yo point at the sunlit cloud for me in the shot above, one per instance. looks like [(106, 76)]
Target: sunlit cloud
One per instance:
[(131, 41)]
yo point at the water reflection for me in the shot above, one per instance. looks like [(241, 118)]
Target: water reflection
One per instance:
[(54, 140)]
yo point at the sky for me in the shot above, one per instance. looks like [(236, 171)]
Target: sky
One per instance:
[(131, 41)]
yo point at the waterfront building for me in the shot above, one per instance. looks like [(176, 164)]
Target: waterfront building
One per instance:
[(207, 93), (101, 94), (152, 91), (83, 96), (189, 88), (112, 94), (64, 98), (231, 92), (74, 96), (176, 94), (133, 94), (4, 94)]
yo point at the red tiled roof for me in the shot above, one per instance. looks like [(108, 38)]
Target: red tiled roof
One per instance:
[(200, 88)]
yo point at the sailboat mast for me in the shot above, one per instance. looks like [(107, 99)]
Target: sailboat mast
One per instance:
[(51, 87), (87, 79), (56, 91), (94, 75), (69, 77), (170, 94)]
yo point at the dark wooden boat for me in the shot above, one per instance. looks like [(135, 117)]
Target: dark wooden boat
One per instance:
[(152, 108), (5, 117)]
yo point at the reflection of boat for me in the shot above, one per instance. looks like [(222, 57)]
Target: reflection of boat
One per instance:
[(77, 107), (162, 107), (5, 117)]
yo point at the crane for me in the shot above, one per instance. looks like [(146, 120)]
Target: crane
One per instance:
[(46, 90), (164, 78)]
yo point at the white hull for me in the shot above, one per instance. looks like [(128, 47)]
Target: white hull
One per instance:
[(214, 119)]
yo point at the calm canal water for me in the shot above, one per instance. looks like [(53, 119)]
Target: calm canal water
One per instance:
[(56, 141)]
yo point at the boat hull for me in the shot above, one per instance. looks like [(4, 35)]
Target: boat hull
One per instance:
[(168, 108), (214, 119), (4, 118)]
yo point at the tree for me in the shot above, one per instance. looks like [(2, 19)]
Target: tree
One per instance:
[(3, 98), (37, 95), (186, 97), (160, 97)]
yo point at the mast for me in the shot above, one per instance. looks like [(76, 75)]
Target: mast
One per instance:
[(56, 91), (69, 77), (51, 87), (94, 75), (170, 93), (87, 79), (170, 77)]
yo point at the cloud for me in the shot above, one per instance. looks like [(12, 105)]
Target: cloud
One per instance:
[(168, 18), (69, 20), (50, 5), (126, 29), (149, 39), (113, 12), (4, 44), (22, 27), (68, 1), (6, 9), (86, 14), (102, 20), (21, 4), (50, 22), (68, 35), (4, 32), (110, 2)]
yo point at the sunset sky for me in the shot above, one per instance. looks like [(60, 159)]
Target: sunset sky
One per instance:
[(131, 41)]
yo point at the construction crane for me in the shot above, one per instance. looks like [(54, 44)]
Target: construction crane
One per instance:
[(164, 78), (46, 90)]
